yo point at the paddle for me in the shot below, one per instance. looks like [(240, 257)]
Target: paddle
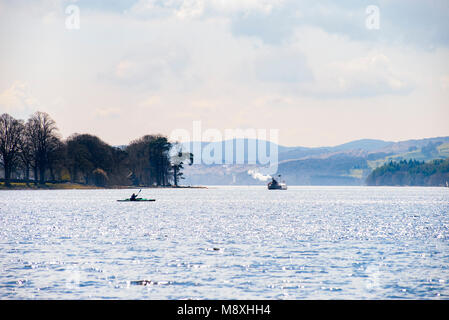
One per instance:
[(135, 196)]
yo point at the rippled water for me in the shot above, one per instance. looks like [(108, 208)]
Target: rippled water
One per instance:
[(226, 243)]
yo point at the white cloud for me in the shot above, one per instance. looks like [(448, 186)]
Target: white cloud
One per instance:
[(107, 112), (150, 102), (190, 9), (147, 66), (201, 8), (17, 99), (368, 76), (284, 65), (232, 6), (153, 8), (444, 82), (125, 69), (228, 63)]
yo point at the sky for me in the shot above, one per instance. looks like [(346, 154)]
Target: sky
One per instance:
[(321, 72)]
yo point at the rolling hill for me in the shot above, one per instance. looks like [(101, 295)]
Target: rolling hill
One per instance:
[(346, 164)]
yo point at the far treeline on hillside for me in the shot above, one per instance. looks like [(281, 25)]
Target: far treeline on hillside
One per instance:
[(411, 173), (33, 152)]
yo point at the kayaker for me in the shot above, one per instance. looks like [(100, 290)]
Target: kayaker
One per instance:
[(133, 197)]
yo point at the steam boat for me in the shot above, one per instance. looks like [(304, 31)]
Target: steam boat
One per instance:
[(277, 184)]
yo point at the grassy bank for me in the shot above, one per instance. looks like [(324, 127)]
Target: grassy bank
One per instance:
[(69, 186), (46, 186)]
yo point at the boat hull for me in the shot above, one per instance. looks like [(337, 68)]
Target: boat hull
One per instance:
[(137, 200), (278, 187), (276, 184)]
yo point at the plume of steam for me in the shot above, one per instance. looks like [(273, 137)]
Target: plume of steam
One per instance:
[(259, 176)]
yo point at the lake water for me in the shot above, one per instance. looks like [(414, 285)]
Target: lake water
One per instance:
[(226, 243)]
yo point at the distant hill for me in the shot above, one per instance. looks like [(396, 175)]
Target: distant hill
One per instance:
[(364, 144), (335, 170), (410, 173), (346, 164)]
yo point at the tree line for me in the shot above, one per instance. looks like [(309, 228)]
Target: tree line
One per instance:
[(410, 173), (33, 151)]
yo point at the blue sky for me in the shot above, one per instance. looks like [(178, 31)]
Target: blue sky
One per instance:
[(311, 69)]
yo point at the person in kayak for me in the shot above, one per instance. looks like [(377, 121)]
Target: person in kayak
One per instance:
[(133, 197)]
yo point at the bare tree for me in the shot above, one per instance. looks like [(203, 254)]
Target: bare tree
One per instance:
[(177, 161), (10, 138), (26, 153), (44, 137)]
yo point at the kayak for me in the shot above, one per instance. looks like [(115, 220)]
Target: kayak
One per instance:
[(137, 199)]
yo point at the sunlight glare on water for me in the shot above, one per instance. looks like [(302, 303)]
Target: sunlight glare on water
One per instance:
[(226, 243)]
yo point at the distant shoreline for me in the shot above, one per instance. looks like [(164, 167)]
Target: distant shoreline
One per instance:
[(77, 186)]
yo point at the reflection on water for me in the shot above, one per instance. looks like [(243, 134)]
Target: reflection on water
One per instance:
[(226, 243)]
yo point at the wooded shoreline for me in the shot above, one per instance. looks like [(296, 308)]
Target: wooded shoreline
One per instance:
[(79, 186), (33, 151)]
